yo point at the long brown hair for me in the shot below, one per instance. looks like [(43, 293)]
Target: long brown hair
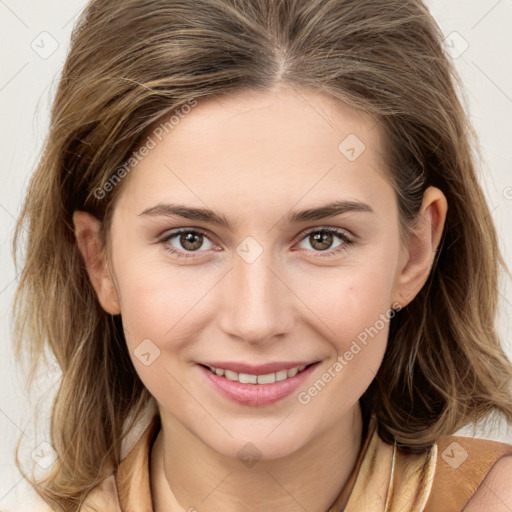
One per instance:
[(132, 62)]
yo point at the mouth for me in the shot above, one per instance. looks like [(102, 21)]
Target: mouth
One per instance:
[(258, 378), (257, 389)]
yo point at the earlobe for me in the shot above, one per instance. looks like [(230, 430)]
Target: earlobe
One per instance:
[(422, 246), (88, 238)]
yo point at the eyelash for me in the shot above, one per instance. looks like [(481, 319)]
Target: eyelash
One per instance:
[(348, 241)]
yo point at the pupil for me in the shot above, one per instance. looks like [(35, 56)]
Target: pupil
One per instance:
[(324, 239), (188, 238)]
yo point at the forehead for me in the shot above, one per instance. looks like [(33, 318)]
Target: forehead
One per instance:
[(262, 150)]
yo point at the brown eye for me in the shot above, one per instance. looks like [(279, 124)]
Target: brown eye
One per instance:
[(321, 240), (185, 242), (191, 241)]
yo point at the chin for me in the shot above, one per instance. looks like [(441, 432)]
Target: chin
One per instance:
[(258, 445)]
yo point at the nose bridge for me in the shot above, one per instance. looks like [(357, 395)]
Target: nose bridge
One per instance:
[(255, 298)]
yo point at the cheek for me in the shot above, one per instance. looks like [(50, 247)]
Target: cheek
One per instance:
[(161, 308), (156, 306), (352, 308), (157, 297), (349, 299), (357, 312), (361, 327)]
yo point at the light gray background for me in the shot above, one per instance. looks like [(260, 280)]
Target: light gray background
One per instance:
[(35, 39)]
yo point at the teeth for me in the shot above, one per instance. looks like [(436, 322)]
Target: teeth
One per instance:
[(246, 378), (230, 375), (269, 378), (292, 372), (282, 375)]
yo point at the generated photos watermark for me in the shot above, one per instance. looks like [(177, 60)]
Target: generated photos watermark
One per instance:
[(150, 143), (304, 397)]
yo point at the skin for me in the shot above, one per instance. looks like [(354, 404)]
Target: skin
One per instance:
[(254, 157)]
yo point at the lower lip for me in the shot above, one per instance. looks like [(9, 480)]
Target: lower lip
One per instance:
[(257, 394)]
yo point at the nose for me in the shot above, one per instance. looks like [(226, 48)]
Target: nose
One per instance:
[(257, 304)]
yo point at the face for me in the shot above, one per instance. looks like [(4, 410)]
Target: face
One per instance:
[(274, 282)]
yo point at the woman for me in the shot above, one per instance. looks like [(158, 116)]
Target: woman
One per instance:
[(256, 234)]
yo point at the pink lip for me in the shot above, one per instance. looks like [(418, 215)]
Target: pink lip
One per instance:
[(257, 394), (262, 369)]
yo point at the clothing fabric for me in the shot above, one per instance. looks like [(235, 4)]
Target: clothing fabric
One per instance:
[(384, 478)]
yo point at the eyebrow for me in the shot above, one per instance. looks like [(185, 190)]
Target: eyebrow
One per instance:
[(203, 214)]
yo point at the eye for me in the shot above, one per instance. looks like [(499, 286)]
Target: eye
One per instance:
[(322, 239), (187, 241)]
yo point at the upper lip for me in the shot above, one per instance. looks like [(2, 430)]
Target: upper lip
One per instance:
[(261, 369)]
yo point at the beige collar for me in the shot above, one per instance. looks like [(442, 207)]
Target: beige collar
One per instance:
[(376, 476), (383, 478)]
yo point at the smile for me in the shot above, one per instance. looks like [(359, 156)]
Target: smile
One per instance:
[(247, 378)]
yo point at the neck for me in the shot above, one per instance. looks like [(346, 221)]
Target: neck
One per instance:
[(187, 475)]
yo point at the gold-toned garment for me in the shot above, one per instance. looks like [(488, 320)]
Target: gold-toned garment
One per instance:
[(384, 478)]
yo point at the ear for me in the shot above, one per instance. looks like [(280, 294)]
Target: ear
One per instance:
[(419, 254), (87, 234)]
